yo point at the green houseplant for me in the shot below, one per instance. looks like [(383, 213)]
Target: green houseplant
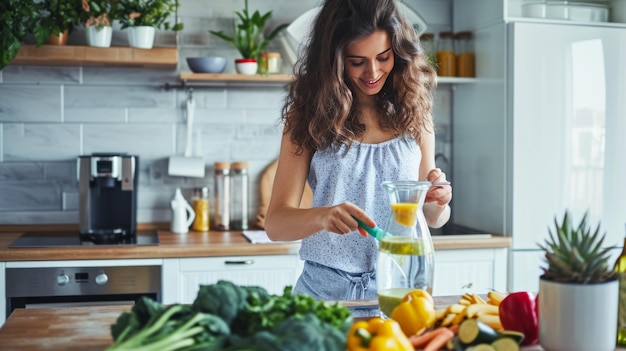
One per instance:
[(150, 13), (578, 291), (249, 38), (18, 18), (60, 17), (97, 16), (141, 19)]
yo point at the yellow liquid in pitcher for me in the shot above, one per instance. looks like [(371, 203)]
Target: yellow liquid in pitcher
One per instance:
[(405, 213)]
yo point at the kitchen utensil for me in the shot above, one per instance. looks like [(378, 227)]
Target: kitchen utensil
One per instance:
[(376, 232), (187, 165), (182, 214)]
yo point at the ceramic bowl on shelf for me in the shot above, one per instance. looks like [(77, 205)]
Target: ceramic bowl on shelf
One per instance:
[(207, 64)]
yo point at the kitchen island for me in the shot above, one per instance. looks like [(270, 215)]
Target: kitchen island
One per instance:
[(88, 328)]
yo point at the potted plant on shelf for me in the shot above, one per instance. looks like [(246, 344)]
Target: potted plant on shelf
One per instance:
[(249, 38), (143, 17), (97, 16), (18, 18), (59, 18), (578, 292)]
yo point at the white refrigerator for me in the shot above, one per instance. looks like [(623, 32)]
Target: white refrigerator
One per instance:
[(542, 130)]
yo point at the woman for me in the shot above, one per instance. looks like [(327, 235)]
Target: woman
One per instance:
[(357, 113)]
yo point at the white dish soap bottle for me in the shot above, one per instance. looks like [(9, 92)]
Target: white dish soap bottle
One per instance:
[(182, 214)]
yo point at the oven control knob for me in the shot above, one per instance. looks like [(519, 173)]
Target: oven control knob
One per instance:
[(62, 279), (102, 279)]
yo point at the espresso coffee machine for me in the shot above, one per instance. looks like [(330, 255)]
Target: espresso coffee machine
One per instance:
[(108, 184)]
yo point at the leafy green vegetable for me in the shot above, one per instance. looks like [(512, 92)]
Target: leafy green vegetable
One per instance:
[(177, 327), (225, 316)]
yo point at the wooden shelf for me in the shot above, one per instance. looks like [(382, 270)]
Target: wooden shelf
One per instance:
[(235, 78), (115, 56), (277, 78)]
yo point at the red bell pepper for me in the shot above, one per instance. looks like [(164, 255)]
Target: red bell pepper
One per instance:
[(518, 312)]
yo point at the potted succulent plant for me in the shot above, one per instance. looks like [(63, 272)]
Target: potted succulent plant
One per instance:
[(249, 38), (97, 16), (59, 18), (143, 17), (578, 291), (18, 18)]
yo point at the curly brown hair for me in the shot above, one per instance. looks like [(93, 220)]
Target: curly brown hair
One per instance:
[(319, 109)]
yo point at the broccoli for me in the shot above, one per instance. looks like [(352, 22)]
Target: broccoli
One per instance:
[(295, 333), (223, 299), (177, 327)]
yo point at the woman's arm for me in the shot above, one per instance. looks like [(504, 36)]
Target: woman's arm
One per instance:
[(436, 209), (285, 219)]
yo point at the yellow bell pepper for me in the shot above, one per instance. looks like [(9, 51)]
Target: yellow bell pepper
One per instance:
[(377, 334), (415, 313)]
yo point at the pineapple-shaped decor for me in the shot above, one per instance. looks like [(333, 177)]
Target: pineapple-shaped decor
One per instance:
[(578, 291)]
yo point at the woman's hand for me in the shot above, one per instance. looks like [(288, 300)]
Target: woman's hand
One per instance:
[(441, 194), (339, 219)]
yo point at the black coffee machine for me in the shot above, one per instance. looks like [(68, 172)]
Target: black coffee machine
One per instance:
[(108, 184)]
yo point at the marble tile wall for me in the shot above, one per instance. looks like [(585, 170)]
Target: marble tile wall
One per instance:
[(51, 115)]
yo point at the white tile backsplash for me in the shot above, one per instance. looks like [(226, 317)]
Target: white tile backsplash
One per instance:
[(51, 115)]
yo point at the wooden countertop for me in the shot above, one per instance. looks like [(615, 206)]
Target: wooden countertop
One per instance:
[(84, 328), (192, 244)]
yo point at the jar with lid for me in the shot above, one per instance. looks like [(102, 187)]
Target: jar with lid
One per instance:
[(464, 46), (201, 209), (221, 196), (239, 196), (446, 58), (428, 45)]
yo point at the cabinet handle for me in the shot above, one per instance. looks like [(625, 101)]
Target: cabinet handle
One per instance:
[(240, 262)]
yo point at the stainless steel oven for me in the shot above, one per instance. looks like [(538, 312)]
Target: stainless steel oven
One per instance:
[(36, 287)]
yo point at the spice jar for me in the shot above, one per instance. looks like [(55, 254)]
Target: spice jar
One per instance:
[(428, 45), (239, 196), (274, 62), (463, 44), (221, 200), (446, 58), (201, 209)]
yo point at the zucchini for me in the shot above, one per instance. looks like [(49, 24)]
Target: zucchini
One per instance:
[(473, 332), (455, 344), (513, 334), (505, 344), (481, 347)]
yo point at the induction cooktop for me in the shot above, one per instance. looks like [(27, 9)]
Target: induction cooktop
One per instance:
[(69, 238)]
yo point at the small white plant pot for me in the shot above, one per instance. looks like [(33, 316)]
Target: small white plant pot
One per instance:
[(578, 317), (100, 37), (246, 66), (141, 37)]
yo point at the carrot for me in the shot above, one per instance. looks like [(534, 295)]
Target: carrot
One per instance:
[(454, 328), (439, 341), (422, 340)]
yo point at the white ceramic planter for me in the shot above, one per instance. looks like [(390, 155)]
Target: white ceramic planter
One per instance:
[(246, 66), (100, 37), (578, 317), (141, 37)]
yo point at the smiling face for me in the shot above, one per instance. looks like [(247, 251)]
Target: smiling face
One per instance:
[(368, 63)]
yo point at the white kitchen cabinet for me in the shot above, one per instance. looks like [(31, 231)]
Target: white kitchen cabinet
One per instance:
[(470, 270), (182, 277)]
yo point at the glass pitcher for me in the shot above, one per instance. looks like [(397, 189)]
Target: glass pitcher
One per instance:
[(406, 258)]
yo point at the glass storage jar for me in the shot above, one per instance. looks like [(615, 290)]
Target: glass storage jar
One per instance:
[(239, 198), (463, 44), (221, 196), (446, 58)]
